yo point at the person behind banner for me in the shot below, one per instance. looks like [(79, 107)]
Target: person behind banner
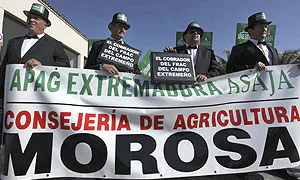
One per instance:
[(35, 48), (255, 53), (205, 63), (118, 28)]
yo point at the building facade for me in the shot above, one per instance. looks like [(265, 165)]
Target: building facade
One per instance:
[(12, 24)]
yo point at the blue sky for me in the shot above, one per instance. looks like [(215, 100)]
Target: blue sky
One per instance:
[(154, 22)]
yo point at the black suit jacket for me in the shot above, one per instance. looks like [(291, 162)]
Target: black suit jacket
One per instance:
[(47, 50), (206, 63), (246, 55), (93, 62)]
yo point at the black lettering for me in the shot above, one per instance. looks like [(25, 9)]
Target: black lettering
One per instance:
[(98, 148), (270, 152), (248, 154), (124, 155), (200, 149), (39, 145)]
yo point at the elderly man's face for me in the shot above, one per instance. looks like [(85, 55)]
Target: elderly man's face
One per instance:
[(118, 30), (192, 36), (35, 24), (259, 31)]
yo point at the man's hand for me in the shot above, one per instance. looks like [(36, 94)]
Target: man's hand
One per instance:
[(260, 66), (170, 49), (111, 69), (201, 77), (31, 63)]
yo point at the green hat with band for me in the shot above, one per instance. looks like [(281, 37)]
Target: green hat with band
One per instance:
[(256, 18), (193, 25), (120, 18), (39, 10)]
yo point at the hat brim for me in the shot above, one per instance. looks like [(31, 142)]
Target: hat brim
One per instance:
[(127, 26), (267, 22), (46, 20), (201, 31)]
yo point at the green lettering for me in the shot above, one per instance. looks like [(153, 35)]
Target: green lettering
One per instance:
[(71, 83), (185, 91), (212, 88), (233, 85), (158, 89), (29, 78), (246, 83), (16, 81), (86, 85), (100, 80), (125, 87), (40, 81), (56, 83), (142, 88), (174, 90), (113, 83), (260, 82), (286, 81), (199, 89)]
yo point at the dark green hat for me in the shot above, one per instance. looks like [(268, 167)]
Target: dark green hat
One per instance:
[(259, 17), (120, 18), (194, 25), (41, 11)]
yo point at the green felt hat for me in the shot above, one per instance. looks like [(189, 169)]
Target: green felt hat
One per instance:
[(193, 25), (256, 18), (41, 11), (120, 18)]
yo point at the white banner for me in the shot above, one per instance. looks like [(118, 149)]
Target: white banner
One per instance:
[(63, 122)]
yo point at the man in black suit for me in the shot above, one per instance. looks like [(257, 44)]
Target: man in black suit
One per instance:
[(36, 48), (205, 62), (254, 53), (118, 28)]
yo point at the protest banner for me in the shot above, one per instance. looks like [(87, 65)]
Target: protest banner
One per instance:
[(172, 68), (243, 36), (206, 39), (64, 122), (119, 54)]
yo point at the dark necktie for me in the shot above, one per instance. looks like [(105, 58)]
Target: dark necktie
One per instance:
[(262, 42), (189, 47), (31, 37)]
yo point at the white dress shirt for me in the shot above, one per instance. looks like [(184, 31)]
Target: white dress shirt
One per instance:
[(265, 50), (29, 42)]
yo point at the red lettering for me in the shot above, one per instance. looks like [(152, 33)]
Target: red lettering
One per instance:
[(179, 123), (38, 119), (281, 113), (64, 121), (245, 117), (157, 122), (255, 111), (295, 114), (219, 118), (264, 116), (88, 121), (79, 123), (204, 120), (54, 121), (19, 118), (103, 121), (123, 123), (11, 114), (145, 122), (191, 122)]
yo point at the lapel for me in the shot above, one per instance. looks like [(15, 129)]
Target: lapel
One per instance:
[(35, 46), (18, 45), (253, 49), (275, 59)]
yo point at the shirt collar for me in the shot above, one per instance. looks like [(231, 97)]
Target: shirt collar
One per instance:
[(39, 36)]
